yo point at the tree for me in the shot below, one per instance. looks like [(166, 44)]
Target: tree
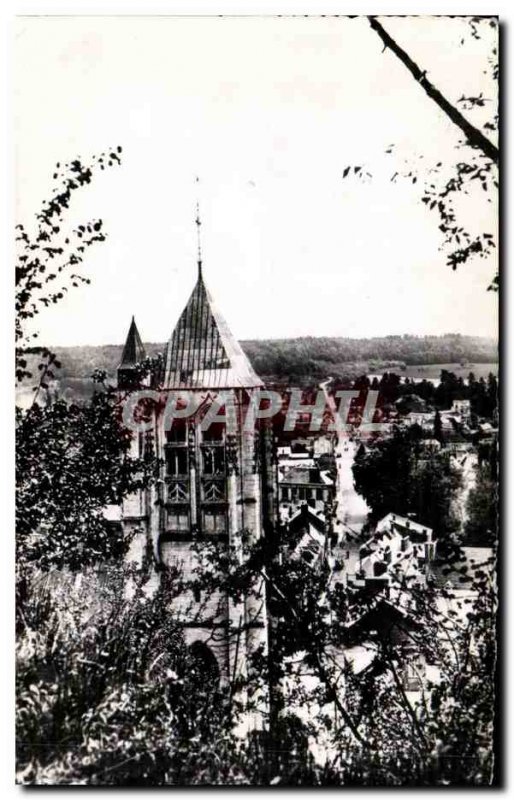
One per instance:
[(374, 731), (49, 258), (72, 459), (71, 462), (476, 162), (382, 474), (108, 693), (448, 390), (395, 475), (442, 735), (438, 427), (482, 508), (473, 135), (435, 484)]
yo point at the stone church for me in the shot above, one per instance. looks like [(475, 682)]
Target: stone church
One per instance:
[(215, 486)]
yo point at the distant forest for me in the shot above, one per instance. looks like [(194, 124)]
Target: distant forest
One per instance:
[(312, 357), (322, 356)]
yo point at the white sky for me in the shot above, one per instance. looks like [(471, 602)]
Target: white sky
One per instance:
[(267, 112)]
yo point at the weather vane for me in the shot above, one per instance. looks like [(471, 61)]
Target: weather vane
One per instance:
[(198, 226)]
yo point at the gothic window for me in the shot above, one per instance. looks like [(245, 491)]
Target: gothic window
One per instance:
[(213, 491), (149, 442), (203, 666), (176, 460), (178, 492), (214, 521), (213, 460), (214, 433), (310, 554), (177, 434), (178, 520)]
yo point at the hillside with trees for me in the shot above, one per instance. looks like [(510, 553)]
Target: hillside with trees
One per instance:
[(310, 358), (322, 356)]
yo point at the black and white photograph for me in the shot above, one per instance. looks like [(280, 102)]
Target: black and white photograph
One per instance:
[(257, 400)]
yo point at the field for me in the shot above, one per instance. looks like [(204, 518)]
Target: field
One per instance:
[(433, 371)]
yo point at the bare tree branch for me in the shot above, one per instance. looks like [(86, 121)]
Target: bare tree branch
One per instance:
[(474, 136)]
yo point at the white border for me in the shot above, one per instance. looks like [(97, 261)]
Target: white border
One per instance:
[(8, 10), (264, 7)]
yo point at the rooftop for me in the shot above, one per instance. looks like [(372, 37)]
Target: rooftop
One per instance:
[(134, 351), (202, 352), (306, 475)]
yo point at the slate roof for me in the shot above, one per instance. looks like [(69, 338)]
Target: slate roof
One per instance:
[(306, 517), (305, 475), (134, 351), (202, 352)]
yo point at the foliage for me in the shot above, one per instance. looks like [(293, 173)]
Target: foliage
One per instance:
[(410, 395), (371, 727), (108, 694), (299, 359), (473, 172), (441, 733), (71, 462), (438, 427), (50, 257), (482, 509), (395, 475)]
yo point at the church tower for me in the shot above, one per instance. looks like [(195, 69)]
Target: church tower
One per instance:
[(133, 354), (134, 506), (215, 485)]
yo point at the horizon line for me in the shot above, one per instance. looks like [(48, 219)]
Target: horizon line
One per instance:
[(489, 338)]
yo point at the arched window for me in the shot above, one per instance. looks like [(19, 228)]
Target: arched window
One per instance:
[(203, 665), (379, 568)]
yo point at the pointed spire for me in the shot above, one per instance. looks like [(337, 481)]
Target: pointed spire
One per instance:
[(134, 351), (202, 351)]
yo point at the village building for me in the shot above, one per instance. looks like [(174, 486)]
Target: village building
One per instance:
[(310, 485), (463, 408), (425, 419), (307, 531), (399, 551)]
